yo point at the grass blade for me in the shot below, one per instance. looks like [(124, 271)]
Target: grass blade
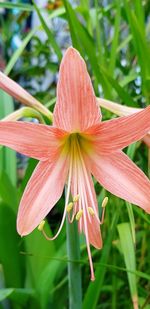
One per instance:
[(113, 55), (94, 289), (18, 52), (7, 156), (128, 251), (19, 6), (49, 34)]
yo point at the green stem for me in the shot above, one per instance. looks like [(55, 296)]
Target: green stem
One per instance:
[(74, 270)]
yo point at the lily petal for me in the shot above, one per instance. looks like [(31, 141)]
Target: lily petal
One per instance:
[(95, 237), (16, 91), (118, 133), (120, 176), (122, 110), (34, 140), (76, 107), (43, 190)]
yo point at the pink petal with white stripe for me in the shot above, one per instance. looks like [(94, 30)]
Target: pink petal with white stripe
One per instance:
[(42, 192), (76, 107), (118, 133), (119, 175), (33, 140)]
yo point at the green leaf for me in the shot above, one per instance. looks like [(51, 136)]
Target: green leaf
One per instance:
[(136, 22), (18, 52), (7, 156), (19, 6), (40, 251), (74, 269), (113, 54), (10, 257), (94, 289), (131, 153), (128, 251), (20, 296), (50, 36), (132, 220), (8, 192), (4, 293), (52, 272)]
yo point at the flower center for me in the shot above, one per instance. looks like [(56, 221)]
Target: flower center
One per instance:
[(78, 141)]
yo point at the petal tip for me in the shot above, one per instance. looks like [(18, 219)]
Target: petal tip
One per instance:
[(21, 229), (72, 52)]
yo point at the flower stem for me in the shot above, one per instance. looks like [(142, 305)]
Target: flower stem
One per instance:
[(74, 270)]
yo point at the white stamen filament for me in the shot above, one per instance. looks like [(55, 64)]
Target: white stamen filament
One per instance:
[(87, 182), (86, 229), (75, 185), (66, 203)]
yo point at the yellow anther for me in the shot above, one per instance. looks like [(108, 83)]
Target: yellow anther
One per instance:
[(104, 202), (41, 225), (76, 198), (69, 207), (91, 211), (79, 214)]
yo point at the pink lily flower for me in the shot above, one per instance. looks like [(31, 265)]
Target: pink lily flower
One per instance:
[(77, 146)]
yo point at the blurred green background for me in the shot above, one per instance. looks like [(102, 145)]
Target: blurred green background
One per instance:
[(114, 39)]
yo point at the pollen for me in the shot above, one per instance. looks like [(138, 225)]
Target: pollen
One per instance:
[(91, 211), (79, 214), (41, 225), (104, 202), (69, 207), (76, 198)]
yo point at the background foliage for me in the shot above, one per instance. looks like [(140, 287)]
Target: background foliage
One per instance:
[(113, 37)]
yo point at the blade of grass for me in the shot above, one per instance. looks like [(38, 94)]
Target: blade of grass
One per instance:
[(94, 289), (20, 296), (139, 11), (7, 156), (131, 153), (36, 264), (113, 54), (74, 270), (49, 33), (46, 281), (140, 43), (19, 6), (128, 251), (6, 186), (9, 248), (18, 52), (98, 35)]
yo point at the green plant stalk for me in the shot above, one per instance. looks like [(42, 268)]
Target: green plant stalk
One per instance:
[(74, 269)]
